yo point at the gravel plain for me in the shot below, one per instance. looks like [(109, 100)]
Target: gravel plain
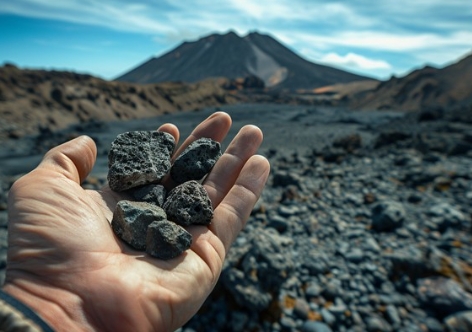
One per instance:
[(365, 223)]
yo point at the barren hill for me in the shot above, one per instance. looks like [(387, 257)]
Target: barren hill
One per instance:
[(34, 99), (428, 87)]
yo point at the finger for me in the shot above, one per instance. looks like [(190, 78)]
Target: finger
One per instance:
[(231, 215), (73, 159), (216, 127), (226, 171), (170, 129)]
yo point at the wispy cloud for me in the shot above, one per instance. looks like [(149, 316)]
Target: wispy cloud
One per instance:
[(117, 15), (355, 61)]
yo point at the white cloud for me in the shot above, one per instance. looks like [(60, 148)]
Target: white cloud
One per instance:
[(385, 41), (112, 15), (313, 12), (353, 60)]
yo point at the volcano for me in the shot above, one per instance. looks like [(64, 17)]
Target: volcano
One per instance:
[(231, 56)]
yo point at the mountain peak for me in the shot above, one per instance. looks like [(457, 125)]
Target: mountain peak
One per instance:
[(229, 55)]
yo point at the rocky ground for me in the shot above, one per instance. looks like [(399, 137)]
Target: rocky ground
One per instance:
[(357, 238), (364, 225)]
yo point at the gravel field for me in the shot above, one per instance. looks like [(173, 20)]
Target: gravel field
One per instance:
[(365, 223)]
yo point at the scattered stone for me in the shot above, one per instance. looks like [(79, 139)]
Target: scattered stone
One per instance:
[(139, 157), (349, 143), (196, 160), (443, 295), (151, 193), (387, 216), (447, 216), (285, 179), (377, 323), (460, 322), (131, 220), (245, 292), (167, 240), (301, 308), (311, 326), (189, 204)]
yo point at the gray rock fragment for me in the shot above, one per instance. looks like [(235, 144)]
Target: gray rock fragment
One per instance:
[(151, 193), (196, 161), (387, 216), (139, 157), (244, 291), (189, 204), (311, 326), (459, 322), (131, 220), (444, 296), (167, 240)]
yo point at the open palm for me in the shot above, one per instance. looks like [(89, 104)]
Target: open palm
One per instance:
[(65, 262)]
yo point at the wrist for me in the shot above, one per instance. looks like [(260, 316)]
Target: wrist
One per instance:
[(51, 305)]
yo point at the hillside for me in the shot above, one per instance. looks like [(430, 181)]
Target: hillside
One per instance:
[(232, 56), (31, 100), (424, 88)]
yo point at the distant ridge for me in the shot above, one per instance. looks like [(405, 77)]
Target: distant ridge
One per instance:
[(423, 88), (229, 55)]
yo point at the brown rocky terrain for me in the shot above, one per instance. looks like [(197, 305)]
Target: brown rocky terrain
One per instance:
[(35, 99), (424, 88)]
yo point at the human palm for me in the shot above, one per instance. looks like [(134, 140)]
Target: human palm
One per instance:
[(65, 262)]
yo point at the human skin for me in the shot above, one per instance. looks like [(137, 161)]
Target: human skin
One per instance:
[(65, 262)]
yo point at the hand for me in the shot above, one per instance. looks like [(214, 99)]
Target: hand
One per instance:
[(65, 262)]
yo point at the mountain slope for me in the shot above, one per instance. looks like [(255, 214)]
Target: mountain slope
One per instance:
[(31, 100), (232, 56), (423, 88)]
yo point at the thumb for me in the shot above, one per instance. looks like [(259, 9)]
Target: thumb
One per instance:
[(73, 159)]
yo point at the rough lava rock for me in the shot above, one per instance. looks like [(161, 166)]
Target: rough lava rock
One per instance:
[(167, 240), (139, 157), (131, 220), (189, 204), (151, 193), (196, 161)]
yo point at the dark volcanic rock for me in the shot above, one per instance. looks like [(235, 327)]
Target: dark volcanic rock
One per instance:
[(151, 193), (189, 204), (196, 160), (131, 220), (349, 142), (139, 157), (244, 291), (167, 240), (445, 296), (387, 216)]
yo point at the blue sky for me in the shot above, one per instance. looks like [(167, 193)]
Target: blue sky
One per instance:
[(108, 37)]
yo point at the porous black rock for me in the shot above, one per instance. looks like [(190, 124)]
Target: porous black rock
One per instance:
[(131, 220), (196, 160), (139, 157), (189, 204), (151, 193), (166, 240)]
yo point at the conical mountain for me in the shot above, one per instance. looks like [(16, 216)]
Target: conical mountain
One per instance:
[(232, 56)]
